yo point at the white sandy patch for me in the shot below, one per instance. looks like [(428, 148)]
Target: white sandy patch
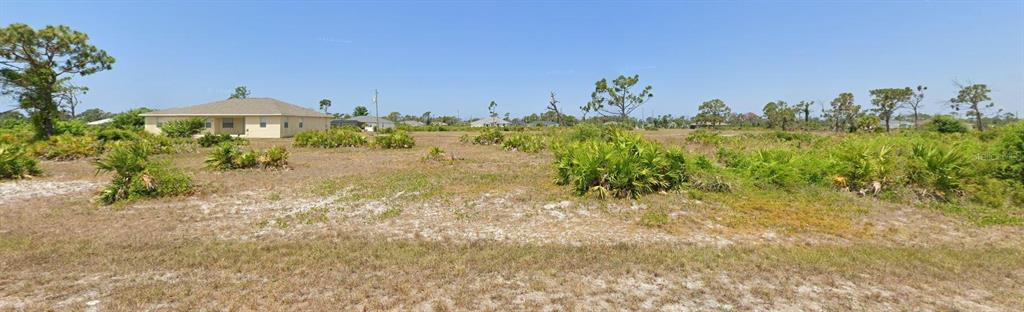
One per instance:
[(30, 189)]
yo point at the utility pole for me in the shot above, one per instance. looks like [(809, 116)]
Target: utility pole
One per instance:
[(376, 108)]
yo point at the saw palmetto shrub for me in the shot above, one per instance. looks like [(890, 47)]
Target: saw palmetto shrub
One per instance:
[(624, 166), (860, 164), (396, 139), (331, 138), (114, 134), (16, 163), (489, 136), (183, 128), (210, 139), (523, 143), (136, 176), (1010, 152), (940, 170), (67, 147), (229, 155)]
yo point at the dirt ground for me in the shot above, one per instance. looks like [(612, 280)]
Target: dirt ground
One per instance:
[(371, 229)]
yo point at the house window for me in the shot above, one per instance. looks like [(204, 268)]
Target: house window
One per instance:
[(286, 122), (159, 122), (209, 124), (263, 122), (228, 123), (300, 122)]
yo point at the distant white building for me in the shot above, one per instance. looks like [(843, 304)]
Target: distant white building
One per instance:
[(413, 123), (489, 122)]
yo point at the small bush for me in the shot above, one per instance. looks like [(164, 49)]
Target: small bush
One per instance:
[(130, 120), (524, 143), (397, 139), (67, 147), (275, 157), (229, 155), (774, 167), (435, 153), (135, 176), (860, 164), (159, 144), (15, 163), (71, 127), (489, 136), (210, 139), (1011, 152), (624, 166), (114, 134), (332, 138), (941, 170), (183, 128), (946, 124)]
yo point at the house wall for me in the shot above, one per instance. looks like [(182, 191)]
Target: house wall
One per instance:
[(272, 129), (250, 125)]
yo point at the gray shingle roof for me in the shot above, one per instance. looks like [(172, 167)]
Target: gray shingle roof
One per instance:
[(240, 107)]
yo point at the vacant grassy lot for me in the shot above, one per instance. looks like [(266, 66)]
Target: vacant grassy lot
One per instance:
[(483, 229)]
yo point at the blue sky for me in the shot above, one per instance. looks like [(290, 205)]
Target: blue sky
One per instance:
[(453, 57)]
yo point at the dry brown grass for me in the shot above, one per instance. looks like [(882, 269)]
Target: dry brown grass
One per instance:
[(364, 228)]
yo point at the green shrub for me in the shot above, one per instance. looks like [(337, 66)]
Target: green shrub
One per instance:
[(624, 166), (67, 147), (774, 167), (332, 138), (210, 139), (135, 176), (946, 124), (222, 157), (1010, 151), (159, 144), (524, 143), (130, 120), (489, 136), (71, 127), (859, 164), (16, 163), (114, 134), (183, 128), (397, 139), (275, 157), (942, 170), (229, 155), (435, 153)]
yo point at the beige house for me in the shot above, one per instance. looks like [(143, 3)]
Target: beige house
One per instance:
[(251, 118)]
